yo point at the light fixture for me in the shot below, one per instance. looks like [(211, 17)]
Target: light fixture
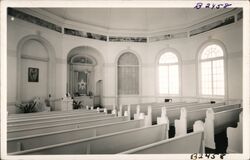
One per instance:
[(12, 18)]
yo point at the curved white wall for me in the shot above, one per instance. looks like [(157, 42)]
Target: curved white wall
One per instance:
[(230, 35)]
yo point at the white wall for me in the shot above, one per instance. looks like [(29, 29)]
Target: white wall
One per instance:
[(188, 48), (31, 89)]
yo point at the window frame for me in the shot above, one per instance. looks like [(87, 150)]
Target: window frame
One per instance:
[(199, 61), (179, 64)]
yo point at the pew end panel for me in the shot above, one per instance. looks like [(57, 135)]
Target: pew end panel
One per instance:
[(181, 124), (235, 138), (209, 129)]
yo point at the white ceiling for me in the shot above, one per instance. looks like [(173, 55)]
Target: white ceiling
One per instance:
[(136, 18)]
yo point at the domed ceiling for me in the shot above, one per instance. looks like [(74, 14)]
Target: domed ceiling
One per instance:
[(141, 19)]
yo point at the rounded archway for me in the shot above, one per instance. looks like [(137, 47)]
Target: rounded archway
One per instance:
[(128, 77), (85, 69), (212, 69), (35, 68)]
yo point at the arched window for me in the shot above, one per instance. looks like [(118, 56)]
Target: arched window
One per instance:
[(168, 68), (128, 74), (212, 71)]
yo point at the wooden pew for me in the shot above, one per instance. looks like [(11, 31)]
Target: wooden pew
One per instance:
[(58, 121), (47, 114), (106, 144), (12, 133), (190, 143), (40, 140), (235, 138), (174, 113), (217, 122), (143, 108), (58, 117), (136, 110), (188, 117)]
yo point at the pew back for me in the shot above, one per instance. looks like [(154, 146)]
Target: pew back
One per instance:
[(200, 114), (66, 126), (190, 143), (187, 118), (106, 144), (46, 118), (174, 113), (47, 114), (144, 107), (227, 118), (58, 121)]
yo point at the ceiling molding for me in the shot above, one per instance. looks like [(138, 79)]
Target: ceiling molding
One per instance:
[(64, 23), (116, 31)]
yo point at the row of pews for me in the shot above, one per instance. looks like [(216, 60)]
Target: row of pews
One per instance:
[(129, 129)]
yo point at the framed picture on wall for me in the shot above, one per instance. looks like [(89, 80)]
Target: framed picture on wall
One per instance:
[(33, 74)]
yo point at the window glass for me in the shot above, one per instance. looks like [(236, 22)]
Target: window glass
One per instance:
[(212, 71), (168, 74)]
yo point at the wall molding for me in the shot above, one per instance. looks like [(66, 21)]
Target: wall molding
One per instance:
[(80, 33), (34, 58), (150, 65)]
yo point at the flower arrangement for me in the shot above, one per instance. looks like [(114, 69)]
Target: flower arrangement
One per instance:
[(29, 107), (77, 104)]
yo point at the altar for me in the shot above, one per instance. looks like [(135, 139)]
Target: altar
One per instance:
[(86, 100)]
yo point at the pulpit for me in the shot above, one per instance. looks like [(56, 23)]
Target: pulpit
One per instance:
[(64, 104)]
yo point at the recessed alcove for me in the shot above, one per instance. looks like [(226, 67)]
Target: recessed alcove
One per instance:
[(84, 73)]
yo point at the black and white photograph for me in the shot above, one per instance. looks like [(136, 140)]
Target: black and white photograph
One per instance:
[(125, 82)]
